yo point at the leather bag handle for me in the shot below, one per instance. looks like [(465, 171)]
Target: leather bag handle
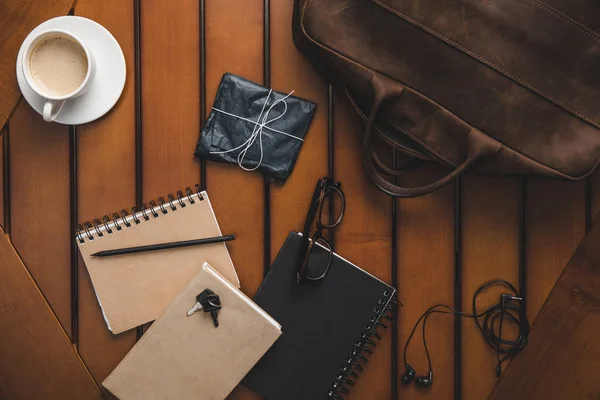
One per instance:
[(479, 145)]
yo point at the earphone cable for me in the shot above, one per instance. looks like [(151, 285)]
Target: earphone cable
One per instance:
[(492, 325)]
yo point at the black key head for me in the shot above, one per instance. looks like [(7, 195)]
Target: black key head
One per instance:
[(211, 303)]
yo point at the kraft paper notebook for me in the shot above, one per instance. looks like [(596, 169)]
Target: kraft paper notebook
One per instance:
[(186, 357), (133, 289), (329, 326)]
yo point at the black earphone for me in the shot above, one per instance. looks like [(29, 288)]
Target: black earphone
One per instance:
[(425, 381), (491, 329), (409, 374)]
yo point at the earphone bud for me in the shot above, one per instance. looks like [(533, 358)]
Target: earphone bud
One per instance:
[(424, 381), (409, 374)]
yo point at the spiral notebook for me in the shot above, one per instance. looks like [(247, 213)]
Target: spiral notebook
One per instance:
[(185, 357), (133, 289), (329, 327)]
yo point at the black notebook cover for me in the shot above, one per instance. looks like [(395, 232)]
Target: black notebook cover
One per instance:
[(327, 327)]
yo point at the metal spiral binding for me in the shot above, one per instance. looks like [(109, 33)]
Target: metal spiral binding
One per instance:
[(354, 362), (107, 226)]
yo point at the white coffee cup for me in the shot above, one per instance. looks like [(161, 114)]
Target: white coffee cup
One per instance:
[(59, 71)]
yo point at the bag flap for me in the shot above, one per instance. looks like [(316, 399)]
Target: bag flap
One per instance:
[(525, 40)]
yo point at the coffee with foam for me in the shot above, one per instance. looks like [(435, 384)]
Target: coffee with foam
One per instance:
[(58, 65)]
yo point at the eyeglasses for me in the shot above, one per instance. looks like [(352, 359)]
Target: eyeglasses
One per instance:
[(314, 261)]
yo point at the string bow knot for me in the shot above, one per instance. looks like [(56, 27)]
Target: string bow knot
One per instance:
[(260, 125)]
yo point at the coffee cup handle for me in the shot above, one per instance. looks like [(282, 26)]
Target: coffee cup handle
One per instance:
[(51, 109)]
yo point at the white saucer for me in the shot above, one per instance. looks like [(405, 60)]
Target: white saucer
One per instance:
[(110, 71)]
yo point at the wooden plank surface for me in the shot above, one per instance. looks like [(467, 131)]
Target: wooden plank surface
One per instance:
[(106, 184), (291, 71), (37, 360), (426, 277), (170, 96), (490, 230), (364, 236), (39, 166), (556, 225), (561, 359), (171, 93), (17, 19), (237, 195)]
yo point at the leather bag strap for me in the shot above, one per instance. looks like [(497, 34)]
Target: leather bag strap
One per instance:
[(410, 166), (479, 145)]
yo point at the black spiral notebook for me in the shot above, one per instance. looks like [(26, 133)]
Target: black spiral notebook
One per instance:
[(328, 327)]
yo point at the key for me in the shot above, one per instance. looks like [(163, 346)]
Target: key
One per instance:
[(195, 307), (215, 318), (210, 303)]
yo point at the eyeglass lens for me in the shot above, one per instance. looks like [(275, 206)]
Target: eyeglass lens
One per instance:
[(332, 207), (318, 259)]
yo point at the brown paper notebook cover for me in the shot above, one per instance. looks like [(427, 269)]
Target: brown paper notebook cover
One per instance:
[(562, 357), (183, 357), (133, 289)]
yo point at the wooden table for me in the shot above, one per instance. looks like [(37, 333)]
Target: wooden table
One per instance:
[(436, 248)]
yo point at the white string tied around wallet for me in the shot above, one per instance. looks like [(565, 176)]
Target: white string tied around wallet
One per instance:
[(259, 125)]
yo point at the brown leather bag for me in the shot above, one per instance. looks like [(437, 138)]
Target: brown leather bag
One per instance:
[(512, 85)]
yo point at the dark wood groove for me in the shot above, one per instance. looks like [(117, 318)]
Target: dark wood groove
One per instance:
[(394, 265), (137, 38), (202, 33), (458, 289), (6, 178), (74, 219), (267, 227), (330, 136), (267, 83), (330, 159), (523, 241), (12, 112), (72, 10)]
